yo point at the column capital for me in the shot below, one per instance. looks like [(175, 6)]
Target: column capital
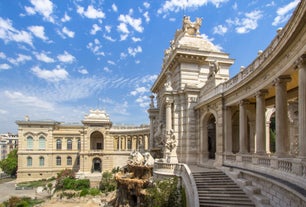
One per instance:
[(300, 62), (262, 92), (244, 102), (282, 79)]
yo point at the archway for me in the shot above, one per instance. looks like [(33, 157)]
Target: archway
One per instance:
[(211, 135), (96, 165), (96, 141)]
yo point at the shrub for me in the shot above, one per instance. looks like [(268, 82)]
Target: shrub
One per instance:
[(94, 191), (84, 192), (73, 184), (108, 182), (166, 193)]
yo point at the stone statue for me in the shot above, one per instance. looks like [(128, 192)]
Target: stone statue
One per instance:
[(136, 158), (148, 159), (171, 142), (213, 68), (191, 28)]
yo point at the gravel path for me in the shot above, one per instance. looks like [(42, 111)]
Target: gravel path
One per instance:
[(8, 189)]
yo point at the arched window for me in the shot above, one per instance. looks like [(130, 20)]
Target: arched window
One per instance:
[(58, 160), (69, 160), (30, 142), (58, 144), (41, 161), (69, 144), (29, 161), (42, 143), (79, 144), (129, 144)]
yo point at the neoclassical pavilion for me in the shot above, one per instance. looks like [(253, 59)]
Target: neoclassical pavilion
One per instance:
[(254, 121), (47, 147)]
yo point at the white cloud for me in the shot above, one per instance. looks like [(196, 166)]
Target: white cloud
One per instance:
[(54, 75), (133, 22), (91, 12), (83, 71), (283, 13), (135, 39), (111, 62), (38, 31), (134, 51), (2, 55), (109, 38), (25, 100), (248, 23), (9, 33), (66, 18), (220, 29), (95, 29), (146, 5), (20, 59), (43, 7), (114, 7), (43, 57), (122, 27), (123, 55), (146, 16), (139, 90), (95, 48), (66, 57), (178, 5), (68, 32), (4, 66), (108, 28), (106, 69), (143, 101)]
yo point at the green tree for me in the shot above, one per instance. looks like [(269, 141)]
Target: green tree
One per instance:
[(9, 165)]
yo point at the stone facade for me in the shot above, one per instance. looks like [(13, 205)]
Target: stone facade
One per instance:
[(254, 121), (47, 147)]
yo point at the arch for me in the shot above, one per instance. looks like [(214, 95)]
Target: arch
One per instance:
[(29, 142), (41, 161), (42, 142), (208, 129), (58, 144), (69, 160), (69, 144), (58, 161), (96, 141), (29, 161), (96, 164)]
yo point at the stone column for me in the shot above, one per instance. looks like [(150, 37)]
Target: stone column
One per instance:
[(260, 122), (168, 116), (281, 116), (228, 131), (243, 130), (301, 66)]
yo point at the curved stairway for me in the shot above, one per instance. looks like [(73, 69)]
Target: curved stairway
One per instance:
[(215, 188)]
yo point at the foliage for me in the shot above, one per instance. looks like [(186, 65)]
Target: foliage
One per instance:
[(74, 184), (166, 193), (36, 183), (108, 182), (90, 191), (21, 202), (9, 165), (67, 173), (115, 170), (272, 134)]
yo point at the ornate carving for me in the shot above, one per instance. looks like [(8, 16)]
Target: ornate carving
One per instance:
[(301, 62), (191, 28), (171, 142), (213, 68)]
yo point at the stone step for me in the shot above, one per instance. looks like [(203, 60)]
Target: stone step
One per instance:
[(204, 202)]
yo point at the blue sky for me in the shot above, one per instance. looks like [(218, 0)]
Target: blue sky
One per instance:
[(61, 58)]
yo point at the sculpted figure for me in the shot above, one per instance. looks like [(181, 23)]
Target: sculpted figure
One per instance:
[(171, 143), (213, 68), (148, 159), (191, 28), (136, 158)]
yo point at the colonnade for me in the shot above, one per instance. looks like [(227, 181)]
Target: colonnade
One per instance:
[(135, 142), (281, 118)]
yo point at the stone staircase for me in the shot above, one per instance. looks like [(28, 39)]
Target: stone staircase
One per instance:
[(215, 188)]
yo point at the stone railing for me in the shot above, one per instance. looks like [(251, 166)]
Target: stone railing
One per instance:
[(292, 169), (162, 169)]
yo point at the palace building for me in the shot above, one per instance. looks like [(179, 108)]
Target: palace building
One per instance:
[(47, 147), (252, 124)]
